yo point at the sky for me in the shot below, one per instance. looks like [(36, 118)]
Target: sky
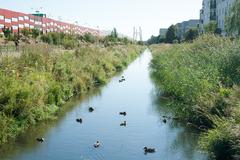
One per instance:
[(150, 15)]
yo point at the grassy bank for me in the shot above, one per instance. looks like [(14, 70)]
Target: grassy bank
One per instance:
[(35, 84), (202, 78)]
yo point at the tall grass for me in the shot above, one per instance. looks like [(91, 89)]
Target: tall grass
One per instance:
[(34, 85), (202, 78)]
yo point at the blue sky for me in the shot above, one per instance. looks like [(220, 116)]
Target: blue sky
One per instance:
[(106, 14)]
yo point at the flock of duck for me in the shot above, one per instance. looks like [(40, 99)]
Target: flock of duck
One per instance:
[(97, 144)]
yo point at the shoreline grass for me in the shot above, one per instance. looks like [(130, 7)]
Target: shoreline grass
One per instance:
[(202, 78), (34, 85)]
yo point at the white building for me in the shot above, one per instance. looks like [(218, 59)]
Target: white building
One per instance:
[(215, 10), (163, 32), (223, 9), (185, 26)]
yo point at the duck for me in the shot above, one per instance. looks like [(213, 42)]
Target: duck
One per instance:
[(149, 150), (164, 120), (123, 124), (79, 120), (123, 113), (90, 109), (41, 140), (97, 144)]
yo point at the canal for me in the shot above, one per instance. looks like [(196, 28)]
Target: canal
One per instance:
[(65, 139)]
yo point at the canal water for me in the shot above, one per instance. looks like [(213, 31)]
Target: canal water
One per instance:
[(65, 139)]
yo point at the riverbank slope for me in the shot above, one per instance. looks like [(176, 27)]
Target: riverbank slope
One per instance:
[(34, 84), (202, 80)]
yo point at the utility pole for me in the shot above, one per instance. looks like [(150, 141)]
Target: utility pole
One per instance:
[(137, 33)]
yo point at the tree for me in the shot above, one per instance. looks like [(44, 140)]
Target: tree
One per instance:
[(191, 34), (171, 34), (212, 28), (233, 20), (6, 32), (26, 32), (88, 37), (114, 33), (35, 33)]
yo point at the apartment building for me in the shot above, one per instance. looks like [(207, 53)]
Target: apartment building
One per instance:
[(215, 10), (184, 26), (16, 21), (223, 9), (163, 32)]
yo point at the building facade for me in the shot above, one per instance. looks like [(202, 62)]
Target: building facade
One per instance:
[(163, 32), (16, 21), (216, 11), (223, 9), (185, 26)]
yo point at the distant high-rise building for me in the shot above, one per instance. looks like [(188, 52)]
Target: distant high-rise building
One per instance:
[(163, 32), (185, 26), (216, 11)]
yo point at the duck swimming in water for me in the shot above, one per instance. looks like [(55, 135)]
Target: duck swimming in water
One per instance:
[(90, 109), (123, 113), (164, 121), (79, 120), (97, 144), (41, 140), (123, 124), (149, 150)]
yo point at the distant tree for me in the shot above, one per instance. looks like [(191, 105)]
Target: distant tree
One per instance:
[(35, 33), (6, 32), (233, 20), (171, 34), (212, 28), (114, 33), (191, 34), (153, 40), (88, 37), (26, 32)]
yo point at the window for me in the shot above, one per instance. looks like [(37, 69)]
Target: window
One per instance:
[(32, 20), (14, 20), (44, 25), (21, 26), (51, 23), (20, 18), (48, 24), (26, 17), (14, 27), (1, 26), (31, 26), (26, 25), (1, 17), (8, 20)]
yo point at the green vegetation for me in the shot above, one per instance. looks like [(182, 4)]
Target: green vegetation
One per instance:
[(171, 34), (202, 78), (34, 85), (212, 28), (233, 20), (191, 34)]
